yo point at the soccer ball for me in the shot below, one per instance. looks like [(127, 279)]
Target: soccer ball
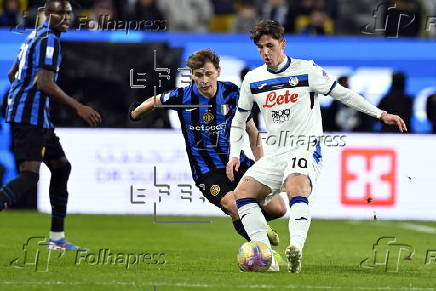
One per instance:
[(254, 256)]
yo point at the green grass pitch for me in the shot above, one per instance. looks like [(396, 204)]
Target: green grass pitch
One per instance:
[(203, 256)]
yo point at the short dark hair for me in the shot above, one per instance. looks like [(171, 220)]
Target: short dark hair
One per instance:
[(201, 57), (267, 27)]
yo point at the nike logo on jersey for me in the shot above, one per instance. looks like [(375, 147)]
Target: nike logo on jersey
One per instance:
[(262, 85), (301, 218), (190, 109), (279, 86), (242, 217)]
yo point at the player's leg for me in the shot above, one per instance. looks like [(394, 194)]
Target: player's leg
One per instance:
[(247, 194), (228, 202), (28, 143), (298, 187), (303, 169), (218, 190), (273, 207), (275, 210), (60, 169), (26, 180)]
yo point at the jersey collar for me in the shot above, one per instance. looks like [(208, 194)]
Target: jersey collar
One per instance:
[(285, 67)]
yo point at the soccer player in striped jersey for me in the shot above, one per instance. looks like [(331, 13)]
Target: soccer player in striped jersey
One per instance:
[(286, 91), (33, 87), (205, 110)]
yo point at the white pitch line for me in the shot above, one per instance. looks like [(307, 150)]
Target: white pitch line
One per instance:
[(418, 227), (403, 225), (201, 285)]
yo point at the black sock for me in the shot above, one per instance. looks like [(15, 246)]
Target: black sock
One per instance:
[(240, 229), (59, 196), (12, 191)]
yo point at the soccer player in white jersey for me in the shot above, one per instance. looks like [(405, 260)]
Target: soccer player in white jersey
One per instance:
[(286, 91)]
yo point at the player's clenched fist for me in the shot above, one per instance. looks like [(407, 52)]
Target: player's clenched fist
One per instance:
[(89, 115), (232, 165)]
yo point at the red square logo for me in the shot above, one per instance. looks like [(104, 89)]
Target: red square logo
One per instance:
[(368, 174)]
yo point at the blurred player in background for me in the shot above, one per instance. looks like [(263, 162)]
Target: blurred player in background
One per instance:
[(286, 91), (33, 78), (206, 131)]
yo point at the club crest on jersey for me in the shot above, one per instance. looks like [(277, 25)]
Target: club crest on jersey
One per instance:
[(208, 117), (215, 190), (293, 81)]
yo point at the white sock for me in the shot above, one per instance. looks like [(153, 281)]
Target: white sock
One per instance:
[(254, 222), (299, 223), (56, 235)]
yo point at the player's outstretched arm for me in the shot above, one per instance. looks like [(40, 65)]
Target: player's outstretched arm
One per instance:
[(356, 101), (137, 109), (45, 83), (255, 139)]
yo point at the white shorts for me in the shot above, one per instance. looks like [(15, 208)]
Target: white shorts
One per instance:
[(272, 170)]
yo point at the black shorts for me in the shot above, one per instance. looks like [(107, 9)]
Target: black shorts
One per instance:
[(31, 143), (215, 184)]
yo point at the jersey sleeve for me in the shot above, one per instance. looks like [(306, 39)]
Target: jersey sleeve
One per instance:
[(234, 103), (48, 52), (320, 81), (245, 102), (172, 97)]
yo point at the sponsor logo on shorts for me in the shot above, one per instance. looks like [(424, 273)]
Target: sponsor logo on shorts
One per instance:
[(215, 190), (280, 116)]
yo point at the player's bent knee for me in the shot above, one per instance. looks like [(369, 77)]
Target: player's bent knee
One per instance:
[(298, 185), (281, 208), (294, 190), (228, 201), (63, 172)]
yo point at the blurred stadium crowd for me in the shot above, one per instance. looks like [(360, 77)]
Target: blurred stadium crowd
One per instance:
[(306, 17)]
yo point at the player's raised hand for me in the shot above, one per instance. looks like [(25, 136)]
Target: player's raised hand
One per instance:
[(233, 164), (392, 119), (88, 114)]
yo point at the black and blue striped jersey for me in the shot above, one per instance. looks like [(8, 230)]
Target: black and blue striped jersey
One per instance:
[(206, 129), (27, 104)]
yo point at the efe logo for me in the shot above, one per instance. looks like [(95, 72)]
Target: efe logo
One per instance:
[(368, 175)]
